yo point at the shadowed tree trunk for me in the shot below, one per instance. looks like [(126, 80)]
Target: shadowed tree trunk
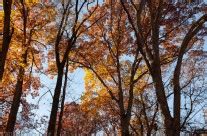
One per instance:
[(125, 125), (7, 35), (16, 99), (60, 63), (62, 102), (20, 78), (53, 116), (60, 68), (152, 58)]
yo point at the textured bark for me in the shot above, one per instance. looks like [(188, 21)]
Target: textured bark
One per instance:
[(7, 35)]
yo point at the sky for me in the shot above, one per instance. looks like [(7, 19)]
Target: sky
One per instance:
[(44, 100)]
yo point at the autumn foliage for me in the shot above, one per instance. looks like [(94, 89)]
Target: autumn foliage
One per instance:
[(144, 65)]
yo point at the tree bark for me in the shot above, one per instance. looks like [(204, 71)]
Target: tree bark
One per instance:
[(125, 125), (170, 131), (7, 35), (63, 101), (55, 104), (16, 99), (15, 103), (20, 78)]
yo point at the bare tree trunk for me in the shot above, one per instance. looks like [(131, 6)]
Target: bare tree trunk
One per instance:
[(61, 63), (15, 103), (53, 116), (55, 104), (16, 99), (7, 35), (63, 101), (125, 125), (18, 90)]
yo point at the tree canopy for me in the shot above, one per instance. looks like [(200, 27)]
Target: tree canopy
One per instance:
[(144, 65)]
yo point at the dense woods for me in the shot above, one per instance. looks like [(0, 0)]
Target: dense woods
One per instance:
[(144, 65)]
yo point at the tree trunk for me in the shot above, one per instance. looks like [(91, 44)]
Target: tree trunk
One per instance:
[(18, 89), (15, 103), (148, 133), (17, 98), (177, 102), (63, 101), (7, 34), (124, 125), (53, 116)]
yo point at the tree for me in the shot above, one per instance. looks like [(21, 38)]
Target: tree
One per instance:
[(63, 101), (98, 105), (78, 121), (97, 101), (68, 32), (165, 21), (27, 55), (7, 35), (144, 64), (119, 68)]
